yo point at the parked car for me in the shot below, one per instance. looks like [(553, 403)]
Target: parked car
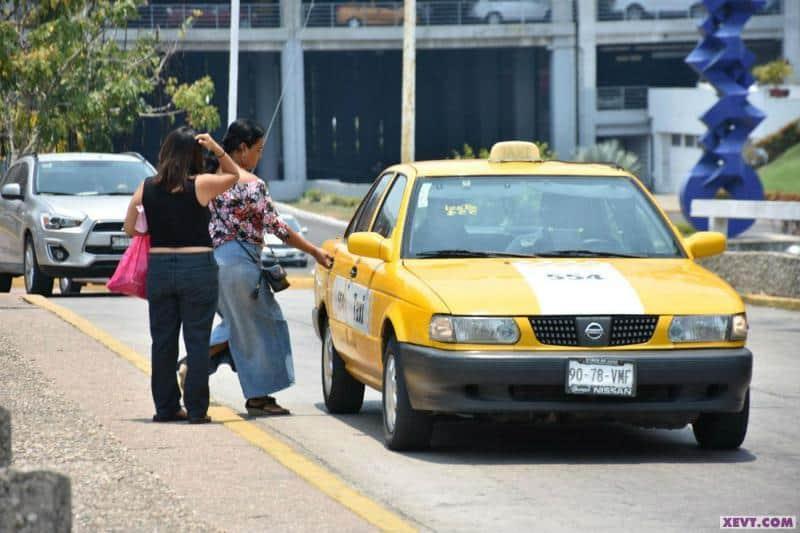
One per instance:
[(355, 14), (639, 9), (61, 217), (541, 289), (497, 11), (274, 248)]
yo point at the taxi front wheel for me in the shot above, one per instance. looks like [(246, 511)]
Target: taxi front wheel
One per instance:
[(403, 427), (342, 393), (722, 431)]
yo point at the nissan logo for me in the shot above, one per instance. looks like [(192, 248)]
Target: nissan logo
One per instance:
[(594, 331)]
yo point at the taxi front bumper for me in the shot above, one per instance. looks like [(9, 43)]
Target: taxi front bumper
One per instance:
[(668, 382)]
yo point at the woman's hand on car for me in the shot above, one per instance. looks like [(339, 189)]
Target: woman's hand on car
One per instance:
[(208, 142), (323, 258)]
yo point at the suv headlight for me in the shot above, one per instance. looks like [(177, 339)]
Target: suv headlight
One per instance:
[(56, 222), (474, 330), (708, 328)]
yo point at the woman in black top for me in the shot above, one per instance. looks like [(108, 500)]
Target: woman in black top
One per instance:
[(182, 282)]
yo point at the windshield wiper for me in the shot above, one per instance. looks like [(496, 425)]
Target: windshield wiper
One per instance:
[(468, 253), (116, 193), (585, 253), (53, 193)]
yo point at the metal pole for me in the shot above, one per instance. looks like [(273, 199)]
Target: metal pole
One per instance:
[(409, 81), (233, 69)]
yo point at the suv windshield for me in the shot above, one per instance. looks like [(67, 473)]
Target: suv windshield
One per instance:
[(540, 216), (91, 178)]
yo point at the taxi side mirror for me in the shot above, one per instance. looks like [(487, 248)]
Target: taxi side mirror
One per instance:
[(369, 244), (706, 243)]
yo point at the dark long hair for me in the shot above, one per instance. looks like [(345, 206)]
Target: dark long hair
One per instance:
[(242, 130), (181, 156)]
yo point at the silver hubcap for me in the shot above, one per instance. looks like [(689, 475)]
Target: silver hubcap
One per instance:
[(327, 363), (28, 267), (390, 394), (64, 285)]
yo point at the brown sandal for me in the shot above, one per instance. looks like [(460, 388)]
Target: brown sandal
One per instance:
[(266, 406)]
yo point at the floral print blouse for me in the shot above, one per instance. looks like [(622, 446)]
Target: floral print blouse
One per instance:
[(243, 212)]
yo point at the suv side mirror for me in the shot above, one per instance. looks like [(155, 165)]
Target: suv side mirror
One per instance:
[(369, 244), (706, 243), (12, 191)]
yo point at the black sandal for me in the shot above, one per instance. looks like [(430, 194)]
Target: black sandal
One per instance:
[(200, 420), (265, 406), (179, 416)]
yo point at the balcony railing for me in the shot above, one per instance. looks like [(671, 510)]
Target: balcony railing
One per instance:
[(213, 16), (616, 98), (429, 13), (664, 9)]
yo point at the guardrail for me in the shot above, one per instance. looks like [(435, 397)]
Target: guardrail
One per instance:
[(430, 13), (211, 16), (653, 9), (614, 98), (719, 211)]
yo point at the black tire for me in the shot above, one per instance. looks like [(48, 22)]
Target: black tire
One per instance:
[(36, 281), (494, 18), (343, 394), (634, 12), (67, 287), (698, 11), (722, 431), (5, 282), (411, 429)]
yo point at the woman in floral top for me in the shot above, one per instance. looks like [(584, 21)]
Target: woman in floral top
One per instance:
[(253, 336)]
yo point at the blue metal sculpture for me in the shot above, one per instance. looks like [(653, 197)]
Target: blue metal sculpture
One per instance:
[(723, 60)]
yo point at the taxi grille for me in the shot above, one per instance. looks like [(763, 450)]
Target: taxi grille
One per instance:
[(563, 330), (106, 227)]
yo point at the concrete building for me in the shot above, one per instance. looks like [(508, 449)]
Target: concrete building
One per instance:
[(568, 72)]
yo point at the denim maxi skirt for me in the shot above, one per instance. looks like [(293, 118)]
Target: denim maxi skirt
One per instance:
[(255, 329)]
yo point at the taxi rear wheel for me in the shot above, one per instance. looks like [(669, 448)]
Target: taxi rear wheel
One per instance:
[(403, 427), (342, 392), (722, 431)]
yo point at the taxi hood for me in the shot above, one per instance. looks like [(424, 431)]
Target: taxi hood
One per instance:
[(519, 287)]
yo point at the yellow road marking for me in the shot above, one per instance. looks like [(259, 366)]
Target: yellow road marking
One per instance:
[(316, 475), (295, 282), (792, 304)]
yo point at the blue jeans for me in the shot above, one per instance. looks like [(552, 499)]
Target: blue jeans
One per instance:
[(182, 290)]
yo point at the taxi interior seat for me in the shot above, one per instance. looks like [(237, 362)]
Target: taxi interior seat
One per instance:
[(440, 231)]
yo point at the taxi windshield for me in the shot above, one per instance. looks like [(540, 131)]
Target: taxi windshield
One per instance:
[(534, 216)]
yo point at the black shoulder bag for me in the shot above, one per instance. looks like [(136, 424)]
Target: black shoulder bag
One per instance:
[(274, 274)]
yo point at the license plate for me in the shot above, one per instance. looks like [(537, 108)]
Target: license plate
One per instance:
[(119, 242), (601, 377)]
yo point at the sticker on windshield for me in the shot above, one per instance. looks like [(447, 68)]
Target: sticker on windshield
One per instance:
[(424, 191), (580, 289)]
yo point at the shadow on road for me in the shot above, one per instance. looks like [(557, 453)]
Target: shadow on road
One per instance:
[(483, 442)]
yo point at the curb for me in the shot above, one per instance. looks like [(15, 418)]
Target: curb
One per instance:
[(791, 304), (286, 208), (314, 473)]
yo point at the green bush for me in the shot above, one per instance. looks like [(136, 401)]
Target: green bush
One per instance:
[(781, 140), (773, 73), (325, 198), (610, 152), (467, 152)]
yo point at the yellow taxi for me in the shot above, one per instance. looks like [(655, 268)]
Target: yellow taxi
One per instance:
[(548, 289)]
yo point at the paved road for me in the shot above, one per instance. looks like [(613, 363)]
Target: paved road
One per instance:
[(482, 476), (318, 232)]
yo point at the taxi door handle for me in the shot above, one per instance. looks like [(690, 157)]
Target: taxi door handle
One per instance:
[(353, 272)]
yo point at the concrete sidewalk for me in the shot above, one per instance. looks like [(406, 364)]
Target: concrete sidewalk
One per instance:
[(81, 410)]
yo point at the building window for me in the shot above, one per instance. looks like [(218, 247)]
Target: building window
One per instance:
[(690, 141), (676, 139)]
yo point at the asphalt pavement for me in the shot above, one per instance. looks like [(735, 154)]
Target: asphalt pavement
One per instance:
[(484, 475)]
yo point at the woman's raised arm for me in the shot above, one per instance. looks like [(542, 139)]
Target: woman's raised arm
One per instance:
[(209, 186)]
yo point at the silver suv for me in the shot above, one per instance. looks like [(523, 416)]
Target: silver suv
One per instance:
[(61, 217)]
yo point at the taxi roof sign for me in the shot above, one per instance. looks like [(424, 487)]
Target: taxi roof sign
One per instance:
[(514, 151)]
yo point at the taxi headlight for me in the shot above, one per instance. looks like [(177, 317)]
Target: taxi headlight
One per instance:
[(708, 328), (474, 330)]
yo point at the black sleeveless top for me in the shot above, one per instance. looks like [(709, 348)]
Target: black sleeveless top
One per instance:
[(175, 220)]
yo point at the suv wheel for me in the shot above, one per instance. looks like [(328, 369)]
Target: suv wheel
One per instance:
[(69, 287), (36, 282), (403, 427), (494, 18), (5, 282), (722, 431), (634, 12), (342, 392)]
